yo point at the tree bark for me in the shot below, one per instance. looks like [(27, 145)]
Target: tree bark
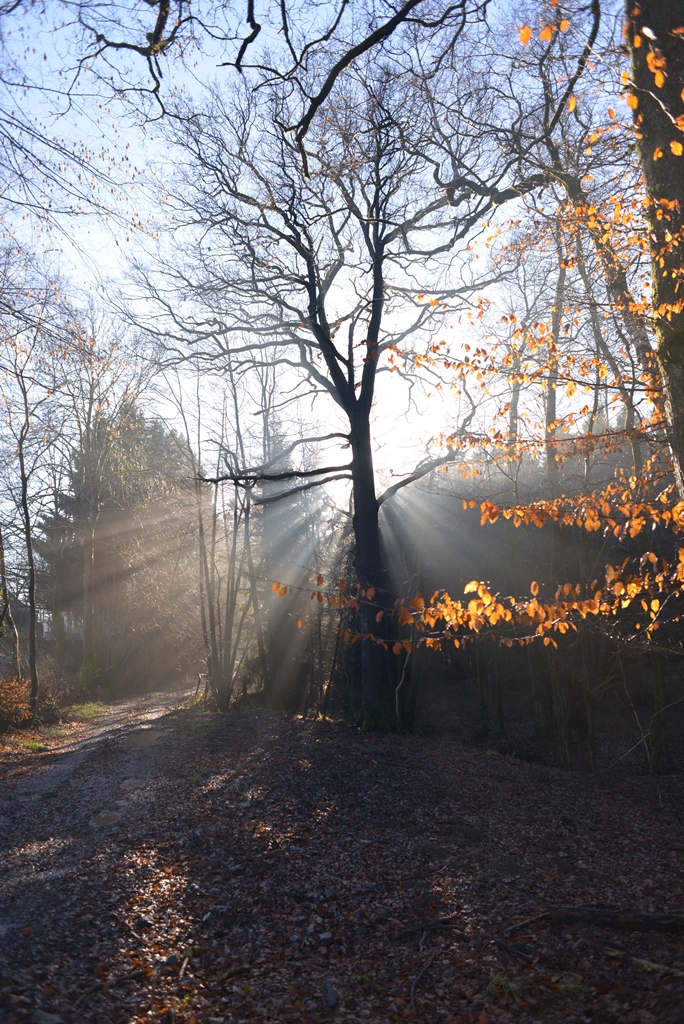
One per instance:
[(551, 443), (657, 76), (376, 686), (30, 564), (7, 610), (88, 662)]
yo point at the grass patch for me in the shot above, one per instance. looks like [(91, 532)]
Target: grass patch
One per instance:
[(199, 723), (84, 712), (55, 732), (574, 987), (35, 746), (500, 985)]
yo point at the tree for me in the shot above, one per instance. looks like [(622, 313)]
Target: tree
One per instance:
[(656, 95), (383, 206)]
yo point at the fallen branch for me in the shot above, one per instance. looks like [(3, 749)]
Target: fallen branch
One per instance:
[(234, 972), (623, 919), (416, 980), (130, 976), (429, 926), (512, 929), (513, 950), (648, 965)]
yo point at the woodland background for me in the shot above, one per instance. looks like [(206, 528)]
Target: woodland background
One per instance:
[(239, 246)]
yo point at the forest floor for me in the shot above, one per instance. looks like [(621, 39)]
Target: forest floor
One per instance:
[(162, 863)]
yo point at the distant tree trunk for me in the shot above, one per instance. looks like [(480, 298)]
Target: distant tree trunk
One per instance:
[(603, 351), (658, 74), (552, 461), (7, 610), (254, 590), (30, 563), (88, 670)]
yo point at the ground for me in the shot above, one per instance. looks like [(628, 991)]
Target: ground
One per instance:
[(163, 863)]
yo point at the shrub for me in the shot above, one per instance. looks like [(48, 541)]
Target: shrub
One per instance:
[(15, 707)]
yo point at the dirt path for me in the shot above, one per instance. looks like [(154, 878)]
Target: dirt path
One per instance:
[(258, 868), (101, 775)]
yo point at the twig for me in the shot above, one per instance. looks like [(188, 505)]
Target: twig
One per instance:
[(500, 944), (234, 972), (183, 967), (523, 924), (428, 926), (130, 976), (422, 940), (416, 981)]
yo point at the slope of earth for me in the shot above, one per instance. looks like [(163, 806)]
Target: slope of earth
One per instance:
[(180, 866)]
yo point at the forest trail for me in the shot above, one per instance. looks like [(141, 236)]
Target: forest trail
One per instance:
[(87, 782), (257, 867)]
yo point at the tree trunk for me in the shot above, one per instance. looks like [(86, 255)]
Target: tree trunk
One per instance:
[(254, 589), (377, 692), (7, 610), (30, 563), (551, 443), (88, 662), (657, 74)]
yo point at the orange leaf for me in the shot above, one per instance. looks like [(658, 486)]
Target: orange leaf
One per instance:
[(471, 587), (677, 148), (275, 587), (299, 623), (546, 34), (657, 153), (534, 588), (564, 25), (370, 593), (378, 617), (525, 34), (282, 592), (320, 580), (632, 101), (572, 103), (397, 649)]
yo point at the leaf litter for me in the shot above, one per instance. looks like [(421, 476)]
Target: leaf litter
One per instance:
[(266, 868)]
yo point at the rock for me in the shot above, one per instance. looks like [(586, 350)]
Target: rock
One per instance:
[(331, 996), (236, 870), (198, 837), (326, 938), (37, 929), (144, 922), (41, 1017), (244, 805), (330, 894), (214, 860), (361, 932), (173, 960)]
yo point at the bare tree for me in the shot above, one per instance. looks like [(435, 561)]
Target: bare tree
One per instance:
[(333, 273)]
